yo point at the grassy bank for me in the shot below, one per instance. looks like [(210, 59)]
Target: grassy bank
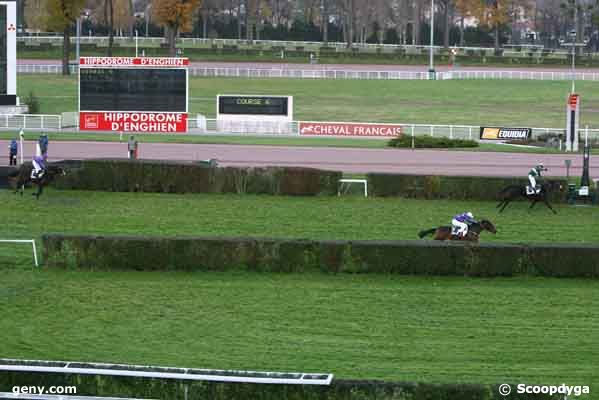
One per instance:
[(486, 103), (395, 328)]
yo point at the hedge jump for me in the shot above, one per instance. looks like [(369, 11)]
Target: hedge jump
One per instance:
[(176, 177), (276, 255)]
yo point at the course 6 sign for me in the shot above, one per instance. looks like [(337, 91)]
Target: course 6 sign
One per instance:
[(349, 129)]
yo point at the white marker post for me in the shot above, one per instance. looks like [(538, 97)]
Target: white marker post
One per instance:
[(22, 149)]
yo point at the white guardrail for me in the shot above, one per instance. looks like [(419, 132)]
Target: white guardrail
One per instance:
[(211, 126), (30, 121), (157, 41), (310, 73), (281, 378)]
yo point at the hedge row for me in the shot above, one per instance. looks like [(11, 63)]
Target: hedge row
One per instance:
[(176, 177), (430, 142), (133, 387), (274, 255), (448, 187)]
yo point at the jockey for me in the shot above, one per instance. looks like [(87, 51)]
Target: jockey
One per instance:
[(533, 174), (461, 222), (39, 166)]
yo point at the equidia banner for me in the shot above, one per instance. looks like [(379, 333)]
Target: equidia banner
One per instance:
[(348, 129), (494, 133)]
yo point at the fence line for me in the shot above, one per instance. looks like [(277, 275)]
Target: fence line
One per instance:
[(299, 73), (30, 121), (201, 125), (338, 46)]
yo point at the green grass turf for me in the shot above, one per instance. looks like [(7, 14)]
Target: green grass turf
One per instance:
[(452, 102), (351, 217), (383, 327)]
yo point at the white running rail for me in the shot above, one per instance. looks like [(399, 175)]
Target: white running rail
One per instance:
[(281, 378), (32, 242)]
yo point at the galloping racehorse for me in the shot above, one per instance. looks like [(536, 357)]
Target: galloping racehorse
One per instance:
[(444, 232), (23, 177), (513, 192)]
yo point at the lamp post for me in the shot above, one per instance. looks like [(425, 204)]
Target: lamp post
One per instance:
[(78, 33), (147, 17), (431, 67)]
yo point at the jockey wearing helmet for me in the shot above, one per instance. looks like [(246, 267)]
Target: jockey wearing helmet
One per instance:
[(533, 174), (39, 166), (461, 222)]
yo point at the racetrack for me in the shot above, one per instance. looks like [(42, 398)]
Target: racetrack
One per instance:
[(349, 160)]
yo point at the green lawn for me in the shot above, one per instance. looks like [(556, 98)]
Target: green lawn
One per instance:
[(466, 102), (360, 326), (350, 218)]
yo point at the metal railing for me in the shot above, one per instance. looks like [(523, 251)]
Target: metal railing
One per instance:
[(307, 73), (30, 121), (526, 75), (143, 371), (211, 126), (338, 46)]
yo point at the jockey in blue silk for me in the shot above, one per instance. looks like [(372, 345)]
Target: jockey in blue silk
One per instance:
[(533, 174), (39, 166), (461, 222)]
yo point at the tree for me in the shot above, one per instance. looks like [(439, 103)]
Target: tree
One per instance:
[(447, 7), (176, 17), (492, 14), (60, 16), (35, 13)]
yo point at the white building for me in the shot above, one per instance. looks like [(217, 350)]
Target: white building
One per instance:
[(8, 53)]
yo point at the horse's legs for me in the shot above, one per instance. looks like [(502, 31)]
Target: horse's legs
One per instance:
[(500, 203), (504, 205), (549, 206), (40, 188), (532, 204)]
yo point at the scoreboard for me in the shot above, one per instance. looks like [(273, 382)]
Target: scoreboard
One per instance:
[(254, 113), (133, 94), (248, 105)]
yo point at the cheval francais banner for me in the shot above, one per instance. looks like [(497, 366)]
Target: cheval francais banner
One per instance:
[(349, 129)]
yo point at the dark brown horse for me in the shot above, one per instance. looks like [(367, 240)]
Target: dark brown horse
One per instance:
[(444, 232), (23, 177), (513, 192)]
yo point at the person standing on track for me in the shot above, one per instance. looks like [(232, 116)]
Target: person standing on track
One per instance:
[(132, 146), (43, 146), (13, 149)]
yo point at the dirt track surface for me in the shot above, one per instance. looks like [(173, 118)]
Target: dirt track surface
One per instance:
[(346, 67), (350, 160)]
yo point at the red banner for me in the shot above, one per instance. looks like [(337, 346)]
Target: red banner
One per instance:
[(133, 122), (109, 62), (348, 129)]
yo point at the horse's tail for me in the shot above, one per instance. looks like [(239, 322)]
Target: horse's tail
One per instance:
[(422, 234)]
